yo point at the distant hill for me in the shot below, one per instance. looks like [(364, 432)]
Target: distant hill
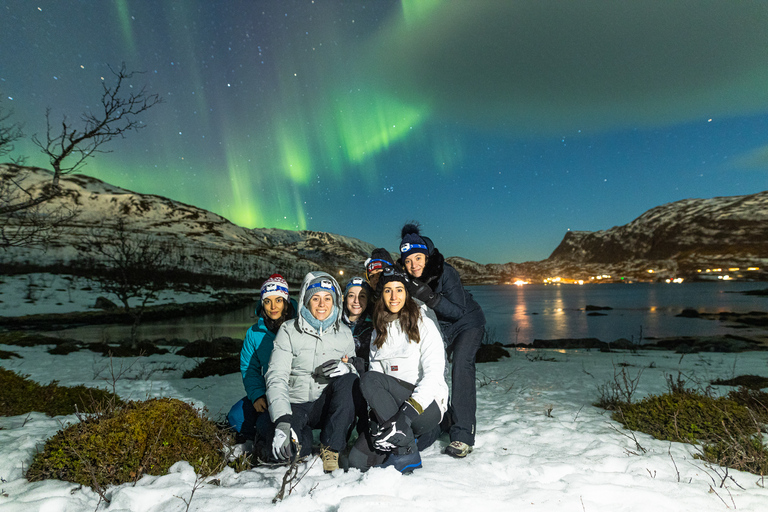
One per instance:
[(678, 239), (211, 245)]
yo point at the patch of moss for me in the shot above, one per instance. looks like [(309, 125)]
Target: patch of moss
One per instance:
[(686, 417), (20, 395), (214, 366), (121, 446)]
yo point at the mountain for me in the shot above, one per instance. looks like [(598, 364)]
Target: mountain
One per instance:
[(208, 243), (692, 238)]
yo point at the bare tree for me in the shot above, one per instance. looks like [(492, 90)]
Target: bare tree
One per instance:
[(131, 266), (67, 150), (9, 134)]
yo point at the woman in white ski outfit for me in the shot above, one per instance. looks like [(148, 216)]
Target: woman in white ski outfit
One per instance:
[(405, 386)]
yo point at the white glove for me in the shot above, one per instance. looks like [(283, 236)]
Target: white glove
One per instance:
[(281, 443)]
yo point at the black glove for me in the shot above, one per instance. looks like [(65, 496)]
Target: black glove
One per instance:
[(423, 292), (396, 431)]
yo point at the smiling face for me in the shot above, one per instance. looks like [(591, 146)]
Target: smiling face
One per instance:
[(273, 306), (321, 305), (415, 264), (394, 296), (356, 301)]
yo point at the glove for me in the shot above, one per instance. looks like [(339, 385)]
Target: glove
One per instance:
[(423, 292), (396, 431), (334, 368), (281, 443)]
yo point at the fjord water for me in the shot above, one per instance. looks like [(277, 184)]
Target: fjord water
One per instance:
[(641, 310), (523, 314)]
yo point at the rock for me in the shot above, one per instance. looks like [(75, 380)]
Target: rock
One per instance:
[(490, 353), (214, 366), (689, 313), (597, 308), (104, 303), (570, 343)]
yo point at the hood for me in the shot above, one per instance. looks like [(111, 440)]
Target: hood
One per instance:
[(337, 301)]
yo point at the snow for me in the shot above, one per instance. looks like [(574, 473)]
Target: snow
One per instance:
[(574, 459), (45, 293)]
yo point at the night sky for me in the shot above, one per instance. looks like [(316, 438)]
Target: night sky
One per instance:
[(499, 125)]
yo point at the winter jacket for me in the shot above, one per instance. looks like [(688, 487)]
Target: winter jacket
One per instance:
[(457, 311), (421, 364), (361, 332), (254, 359), (298, 349), (255, 354)]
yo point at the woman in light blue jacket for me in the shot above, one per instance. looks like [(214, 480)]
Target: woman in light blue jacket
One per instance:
[(247, 417)]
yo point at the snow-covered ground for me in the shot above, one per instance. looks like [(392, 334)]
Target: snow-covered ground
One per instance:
[(573, 459), (44, 293)]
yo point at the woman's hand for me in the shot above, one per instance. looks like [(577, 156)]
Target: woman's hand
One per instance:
[(260, 405)]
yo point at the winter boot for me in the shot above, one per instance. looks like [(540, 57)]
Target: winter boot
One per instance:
[(458, 449), (330, 459), (405, 460)]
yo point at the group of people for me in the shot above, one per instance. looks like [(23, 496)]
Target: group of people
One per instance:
[(370, 358)]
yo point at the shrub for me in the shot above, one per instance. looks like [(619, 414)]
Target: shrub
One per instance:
[(754, 400), (685, 417), (728, 428), (121, 446), (20, 395)]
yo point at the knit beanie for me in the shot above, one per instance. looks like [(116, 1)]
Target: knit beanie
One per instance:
[(356, 281), (391, 274), (380, 258), (412, 242), (275, 285), (320, 284)]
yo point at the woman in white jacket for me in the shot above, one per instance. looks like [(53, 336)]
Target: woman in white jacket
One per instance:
[(405, 386)]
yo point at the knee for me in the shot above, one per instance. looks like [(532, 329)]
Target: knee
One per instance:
[(370, 383)]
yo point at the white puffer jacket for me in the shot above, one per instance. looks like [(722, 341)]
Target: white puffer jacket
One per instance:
[(421, 364), (299, 349)]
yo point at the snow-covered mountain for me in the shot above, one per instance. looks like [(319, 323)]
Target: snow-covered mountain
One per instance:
[(678, 239), (735, 227), (692, 238), (210, 244)]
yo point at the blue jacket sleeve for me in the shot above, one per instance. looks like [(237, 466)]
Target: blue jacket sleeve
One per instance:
[(254, 360), (453, 305)]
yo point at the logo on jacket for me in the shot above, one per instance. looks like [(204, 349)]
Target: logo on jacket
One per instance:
[(393, 367)]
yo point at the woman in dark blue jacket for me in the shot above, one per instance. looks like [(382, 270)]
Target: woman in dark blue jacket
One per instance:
[(462, 322)]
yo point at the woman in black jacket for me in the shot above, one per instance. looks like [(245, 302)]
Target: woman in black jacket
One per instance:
[(462, 322)]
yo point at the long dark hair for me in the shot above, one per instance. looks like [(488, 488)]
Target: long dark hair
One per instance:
[(287, 314), (409, 320)]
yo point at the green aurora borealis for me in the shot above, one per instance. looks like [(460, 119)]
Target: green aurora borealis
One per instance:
[(497, 124)]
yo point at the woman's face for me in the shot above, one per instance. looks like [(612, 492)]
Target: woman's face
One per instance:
[(357, 301), (373, 277), (321, 305), (273, 306), (394, 296), (415, 264)]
